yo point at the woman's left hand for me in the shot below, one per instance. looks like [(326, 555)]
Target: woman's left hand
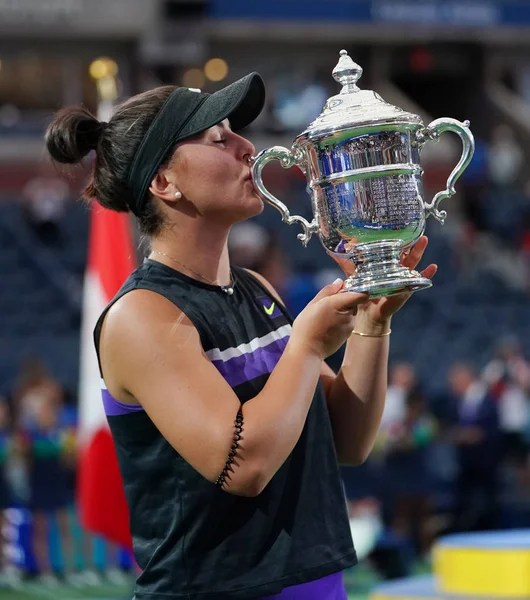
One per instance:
[(380, 310)]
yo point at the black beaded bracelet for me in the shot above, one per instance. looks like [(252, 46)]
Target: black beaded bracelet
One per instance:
[(235, 445)]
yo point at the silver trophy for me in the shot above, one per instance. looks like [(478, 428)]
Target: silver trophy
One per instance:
[(361, 159)]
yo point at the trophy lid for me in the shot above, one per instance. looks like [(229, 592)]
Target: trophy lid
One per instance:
[(354, 107)]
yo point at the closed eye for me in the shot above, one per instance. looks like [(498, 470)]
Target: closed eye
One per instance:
[(219, 141)]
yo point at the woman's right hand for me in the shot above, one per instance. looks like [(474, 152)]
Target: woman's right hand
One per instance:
[(328, 320)]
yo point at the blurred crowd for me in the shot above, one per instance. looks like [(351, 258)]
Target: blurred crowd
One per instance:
[(456, 462), (39, 533), (496, 211)]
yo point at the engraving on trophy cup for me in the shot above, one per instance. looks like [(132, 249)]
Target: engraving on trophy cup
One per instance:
[(361, 158)]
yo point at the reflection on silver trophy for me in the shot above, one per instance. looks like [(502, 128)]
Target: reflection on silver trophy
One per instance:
[(361, 161)]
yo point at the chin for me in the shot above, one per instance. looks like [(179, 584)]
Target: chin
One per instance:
[(252, 209), (257, 206), (249, 206)]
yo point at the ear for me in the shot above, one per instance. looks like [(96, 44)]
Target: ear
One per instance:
[(164, 186)]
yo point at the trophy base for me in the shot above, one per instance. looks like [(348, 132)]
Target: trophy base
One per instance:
[(379, 272)]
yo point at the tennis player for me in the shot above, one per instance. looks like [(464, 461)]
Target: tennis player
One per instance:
[(228, 424)]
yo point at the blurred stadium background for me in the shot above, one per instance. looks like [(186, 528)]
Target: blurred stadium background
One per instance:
[(462, 343)]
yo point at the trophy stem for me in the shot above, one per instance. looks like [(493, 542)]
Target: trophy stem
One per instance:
[(379, 272)]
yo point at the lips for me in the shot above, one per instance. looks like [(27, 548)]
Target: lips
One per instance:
[(248, 179)]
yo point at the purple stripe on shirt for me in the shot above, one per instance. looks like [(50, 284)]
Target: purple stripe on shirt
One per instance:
[(326, 588), (114, 408), (248, 366)]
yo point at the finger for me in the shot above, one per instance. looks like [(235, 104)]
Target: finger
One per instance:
[(347, 301), (412, 259), (414, 254), (329, 290), (430, 271)]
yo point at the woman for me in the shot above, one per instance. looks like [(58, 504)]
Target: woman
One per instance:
[(226, 420), (49, 449)]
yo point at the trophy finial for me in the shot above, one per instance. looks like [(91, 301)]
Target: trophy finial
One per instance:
[(347, 72)]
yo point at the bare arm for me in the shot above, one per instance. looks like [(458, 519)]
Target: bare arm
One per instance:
[(356, 396), (151, 354)]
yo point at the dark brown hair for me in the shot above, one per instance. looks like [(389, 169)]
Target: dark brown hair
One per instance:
[(75, 132)]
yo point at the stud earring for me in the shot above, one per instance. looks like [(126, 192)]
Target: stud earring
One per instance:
[(178, 195)]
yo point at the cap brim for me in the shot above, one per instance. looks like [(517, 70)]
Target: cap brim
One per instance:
[(240, 102)]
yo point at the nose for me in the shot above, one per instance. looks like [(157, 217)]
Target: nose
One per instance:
[(247, 149)]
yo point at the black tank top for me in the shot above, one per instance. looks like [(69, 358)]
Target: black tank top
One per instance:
[(192, 540)]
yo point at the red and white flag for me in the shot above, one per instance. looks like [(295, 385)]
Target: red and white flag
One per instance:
[(101, 498)]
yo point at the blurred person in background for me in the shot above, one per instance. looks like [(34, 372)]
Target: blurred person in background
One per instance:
[(45, 202), (6, 448), (508, 378), (50, 452), (34, 384), (402, 383), (276, 269), (505, 158), (407, 472), (299, 100), (248, 245), (476, 434), (226, 421), (475, 184), (525, 236), (252, 247), (504, 205)]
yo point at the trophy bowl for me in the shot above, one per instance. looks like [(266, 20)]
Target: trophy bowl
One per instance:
[(361, 160)]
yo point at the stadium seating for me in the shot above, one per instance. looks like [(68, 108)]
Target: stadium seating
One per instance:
[(461, 318)]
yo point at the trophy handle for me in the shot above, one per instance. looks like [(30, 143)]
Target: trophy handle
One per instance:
[(432, 133), (288, 159)]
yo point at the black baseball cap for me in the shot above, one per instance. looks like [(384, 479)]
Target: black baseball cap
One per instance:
[(186, 113)]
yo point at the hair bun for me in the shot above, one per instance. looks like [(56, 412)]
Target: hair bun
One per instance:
[(72, 134)]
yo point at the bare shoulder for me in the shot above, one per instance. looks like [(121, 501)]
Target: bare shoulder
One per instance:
[(144, 313), (151, 355), (139, 328)]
